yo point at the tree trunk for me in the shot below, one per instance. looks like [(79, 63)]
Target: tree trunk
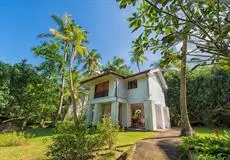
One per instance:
[(61, 95), (24, 124), (71, 87), (186, 129), (68, 114), (72, 92), (138, 66), (42, 123)]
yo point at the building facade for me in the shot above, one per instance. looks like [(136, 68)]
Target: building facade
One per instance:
[(135, 101)]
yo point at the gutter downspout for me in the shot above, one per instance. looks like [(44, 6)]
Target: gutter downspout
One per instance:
[(116, 89), (148, 86)]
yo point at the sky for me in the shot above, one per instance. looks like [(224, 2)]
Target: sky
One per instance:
[(23, 20)]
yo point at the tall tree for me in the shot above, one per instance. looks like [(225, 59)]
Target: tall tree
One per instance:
[(138, 58), (138, 54), (92, 63), (78, 39), (163, 26), (63, 25), (117, 65), (71, 37), (53, 67)]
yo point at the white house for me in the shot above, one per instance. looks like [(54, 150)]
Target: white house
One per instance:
[(133, 101)]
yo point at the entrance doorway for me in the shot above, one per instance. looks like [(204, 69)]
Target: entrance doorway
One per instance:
[(137, 116)]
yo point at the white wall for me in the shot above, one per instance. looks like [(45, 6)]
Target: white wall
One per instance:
[(156, 91), (139, 94), (122, 89), (122, 114)]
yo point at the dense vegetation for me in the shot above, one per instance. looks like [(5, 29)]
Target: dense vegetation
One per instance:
[(25, 94), (207, 148), (208, 96)]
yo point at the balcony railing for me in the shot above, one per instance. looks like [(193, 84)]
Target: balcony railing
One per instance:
[(101, 94)]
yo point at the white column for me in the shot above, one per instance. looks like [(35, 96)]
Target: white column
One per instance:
[(128, 112), (96, 113), (167, 118), (115, 112), (154, 115), (150, 115), (163, 117), (89, 114)]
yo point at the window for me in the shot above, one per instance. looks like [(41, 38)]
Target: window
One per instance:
[(101, 89), (132, 84)]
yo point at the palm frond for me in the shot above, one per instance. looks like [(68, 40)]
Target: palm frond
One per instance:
[(58, 20)]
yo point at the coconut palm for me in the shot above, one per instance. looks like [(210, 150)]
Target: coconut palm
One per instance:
[(78, 37), (73, 37), (92, 63), (60, 33), (138, 58), (117, 65)]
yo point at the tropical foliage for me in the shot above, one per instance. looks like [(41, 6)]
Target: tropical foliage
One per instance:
[(76, 141), (91, 63), (27, 94), (118, 65), (207, 148), (208, 96), (167, 24), (138, 58)]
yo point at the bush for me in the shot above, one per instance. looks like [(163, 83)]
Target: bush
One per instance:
[(108, 132), (76, 141), (13, 139), (208, 148)]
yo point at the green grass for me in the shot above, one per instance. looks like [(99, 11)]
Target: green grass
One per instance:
[(36, 148), (205, 131), (125, 140)]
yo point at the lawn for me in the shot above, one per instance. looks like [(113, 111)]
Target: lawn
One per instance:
[(205, 131), (37, 145)]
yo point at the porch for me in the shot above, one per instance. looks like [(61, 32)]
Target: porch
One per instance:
[(143, 116), (116, 110)]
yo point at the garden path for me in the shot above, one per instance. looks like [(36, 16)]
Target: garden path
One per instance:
[(163, 146)]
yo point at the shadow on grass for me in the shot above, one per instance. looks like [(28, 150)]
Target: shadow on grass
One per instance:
[(40, 132), (163, 137), (120, 146)]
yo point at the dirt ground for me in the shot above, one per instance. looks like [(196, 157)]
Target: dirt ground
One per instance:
[(163, 146)]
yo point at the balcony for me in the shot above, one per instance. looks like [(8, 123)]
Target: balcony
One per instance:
[(101, 94)]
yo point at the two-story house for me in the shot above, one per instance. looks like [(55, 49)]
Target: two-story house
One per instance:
[(133, 101)]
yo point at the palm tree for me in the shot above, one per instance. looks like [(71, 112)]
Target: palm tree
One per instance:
[(81, 94), (63, 24), (92, 63), (138, 58), (72, 37), (117, 65), (78, 37)]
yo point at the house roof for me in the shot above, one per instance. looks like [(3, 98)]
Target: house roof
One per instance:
[(156, 70), (101, 75), (114, 73)]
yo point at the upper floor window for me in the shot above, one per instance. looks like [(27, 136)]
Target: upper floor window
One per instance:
[(132, 84), (101, 90)]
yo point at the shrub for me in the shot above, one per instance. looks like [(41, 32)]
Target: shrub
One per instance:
[(76, 141), (108, 132), (13, 139), (208, 148)]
